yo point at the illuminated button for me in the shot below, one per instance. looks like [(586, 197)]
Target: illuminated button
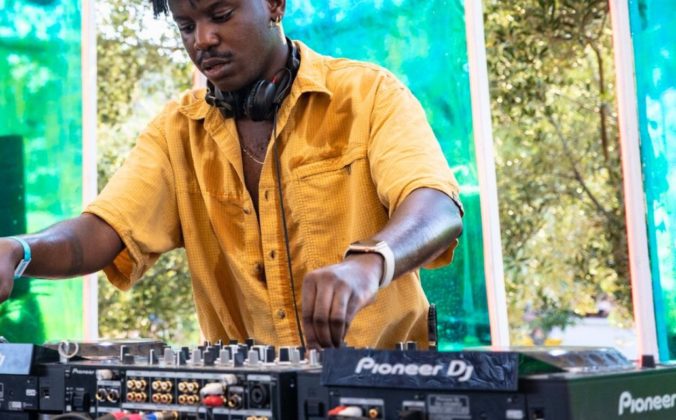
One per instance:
[(281, 313)]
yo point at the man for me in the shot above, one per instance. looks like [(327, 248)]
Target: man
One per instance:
[(357, 164)]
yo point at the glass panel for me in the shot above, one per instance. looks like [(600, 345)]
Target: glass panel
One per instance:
[(424, 44), (559, 176), (654, 36), (40, 144)]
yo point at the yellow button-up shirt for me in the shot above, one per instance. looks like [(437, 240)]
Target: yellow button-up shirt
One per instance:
[(353, 144)]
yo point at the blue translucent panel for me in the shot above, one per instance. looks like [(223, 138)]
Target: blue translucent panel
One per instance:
[(653, 27), (41, 142), (424, 44)]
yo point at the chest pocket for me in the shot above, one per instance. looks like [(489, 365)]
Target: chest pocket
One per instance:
[(337, 204)]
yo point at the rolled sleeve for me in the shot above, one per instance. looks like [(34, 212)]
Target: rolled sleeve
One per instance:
[(139, 203), (405, 154)]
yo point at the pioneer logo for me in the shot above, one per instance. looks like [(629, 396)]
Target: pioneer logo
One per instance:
[(83, 371), (456, 369), (630, 405)]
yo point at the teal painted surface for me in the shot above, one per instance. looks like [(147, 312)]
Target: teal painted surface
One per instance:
[(40, 101), (424, 44), (653, 27)]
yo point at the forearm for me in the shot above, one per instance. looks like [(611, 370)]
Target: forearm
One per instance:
[(74, 247), (423, 226)]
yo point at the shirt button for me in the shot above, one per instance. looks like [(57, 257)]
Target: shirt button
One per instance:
[(273, 254), (266, 195), (281, 313), (259, 272), (246, 210)]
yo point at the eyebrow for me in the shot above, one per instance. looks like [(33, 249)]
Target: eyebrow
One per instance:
[(215, 4)]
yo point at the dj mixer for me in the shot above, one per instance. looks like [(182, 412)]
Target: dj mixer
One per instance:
[(136, 380)]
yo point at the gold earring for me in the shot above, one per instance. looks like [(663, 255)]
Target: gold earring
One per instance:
[(275, 21)]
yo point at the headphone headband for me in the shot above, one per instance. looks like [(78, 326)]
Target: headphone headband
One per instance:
[(260, 100)]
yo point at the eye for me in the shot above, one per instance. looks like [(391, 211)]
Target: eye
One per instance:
[(221, 17), (186, 28)]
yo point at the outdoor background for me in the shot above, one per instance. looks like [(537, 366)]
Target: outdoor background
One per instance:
[(555, 127), (552, 88)]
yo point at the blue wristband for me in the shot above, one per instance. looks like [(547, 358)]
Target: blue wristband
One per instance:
[(23, 264)]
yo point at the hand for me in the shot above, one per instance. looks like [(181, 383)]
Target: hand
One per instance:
[(333, 295), (11, 253)]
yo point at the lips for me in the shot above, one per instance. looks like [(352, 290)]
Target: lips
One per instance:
[(215, 68)]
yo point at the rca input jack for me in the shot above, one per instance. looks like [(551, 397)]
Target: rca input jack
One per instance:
[(235, 401), (101, 394), (113, 396)]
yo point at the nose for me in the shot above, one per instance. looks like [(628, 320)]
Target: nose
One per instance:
[(205, 37)]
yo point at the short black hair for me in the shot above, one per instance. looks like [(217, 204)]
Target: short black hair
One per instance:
[(160, 7)]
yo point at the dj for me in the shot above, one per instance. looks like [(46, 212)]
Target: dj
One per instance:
[(306, 190)]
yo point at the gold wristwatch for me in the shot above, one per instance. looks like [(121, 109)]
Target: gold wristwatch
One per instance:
[(377, 247)]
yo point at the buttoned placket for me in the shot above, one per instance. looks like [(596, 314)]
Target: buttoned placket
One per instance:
[(274, 256)]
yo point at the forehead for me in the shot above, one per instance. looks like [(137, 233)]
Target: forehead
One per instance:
[(209, 4), (186, 6)]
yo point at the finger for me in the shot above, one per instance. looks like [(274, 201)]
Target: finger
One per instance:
[(323, 300), (308, 293), (337, 316), (353, 306)]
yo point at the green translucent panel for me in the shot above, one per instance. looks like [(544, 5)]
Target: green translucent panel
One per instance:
[(424, 44), (653, 26), (41, 138)]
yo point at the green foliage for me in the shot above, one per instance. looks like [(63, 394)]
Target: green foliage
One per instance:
[(140, 70), (558, 163)]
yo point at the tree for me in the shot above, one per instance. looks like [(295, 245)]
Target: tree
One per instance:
[(140, 70), (558, 163)]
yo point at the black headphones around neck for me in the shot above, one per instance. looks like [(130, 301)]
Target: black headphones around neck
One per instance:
[(260, 100)]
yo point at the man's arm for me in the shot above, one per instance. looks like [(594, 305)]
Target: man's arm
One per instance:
[(78, 246), (423, 226)]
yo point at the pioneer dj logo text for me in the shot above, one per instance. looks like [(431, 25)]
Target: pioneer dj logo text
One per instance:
[(456, 369), (83, 371), (631, 405)]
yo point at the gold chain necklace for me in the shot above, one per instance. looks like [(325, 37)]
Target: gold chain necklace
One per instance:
[(250, 155)]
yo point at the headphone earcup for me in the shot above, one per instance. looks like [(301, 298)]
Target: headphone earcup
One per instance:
[(260, 101)]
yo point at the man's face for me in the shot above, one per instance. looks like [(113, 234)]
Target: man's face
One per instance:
[(231, 41)]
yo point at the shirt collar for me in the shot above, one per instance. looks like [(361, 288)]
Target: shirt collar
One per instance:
[(310, 78)]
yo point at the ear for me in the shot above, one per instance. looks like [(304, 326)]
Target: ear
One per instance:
[(277, 8)]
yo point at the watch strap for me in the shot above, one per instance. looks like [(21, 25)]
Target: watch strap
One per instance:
[(384, 250), (23, 264)]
